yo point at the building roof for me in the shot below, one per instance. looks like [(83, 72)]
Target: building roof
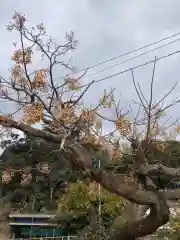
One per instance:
[(32, 224), (31, 215)]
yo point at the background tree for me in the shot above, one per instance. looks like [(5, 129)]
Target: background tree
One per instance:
[(73, 127), (29, 157), (67, 193)]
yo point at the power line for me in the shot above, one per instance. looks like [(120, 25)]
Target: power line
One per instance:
[(129, 69), (137, 56), (124, 54), (127, 53), (129, 59), (125, 71)]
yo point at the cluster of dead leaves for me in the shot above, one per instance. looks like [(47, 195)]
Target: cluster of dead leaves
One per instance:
[(22, 57), (39, 81), (123, 125), (33, 113), (73, 83), (43, 167), (7, 175)]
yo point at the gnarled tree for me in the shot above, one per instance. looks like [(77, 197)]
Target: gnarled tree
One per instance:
[(71, 125)]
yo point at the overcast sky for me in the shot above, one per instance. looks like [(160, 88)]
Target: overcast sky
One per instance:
[(105, 29)]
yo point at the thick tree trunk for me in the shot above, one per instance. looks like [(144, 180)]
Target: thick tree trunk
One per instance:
[(158, 216), (5, 230), (136, 212)]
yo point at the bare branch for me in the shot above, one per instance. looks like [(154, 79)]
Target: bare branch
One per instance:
[(137, 91), (158, 169)]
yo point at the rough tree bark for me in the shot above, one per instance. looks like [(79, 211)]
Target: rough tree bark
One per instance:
[(5, 230)]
